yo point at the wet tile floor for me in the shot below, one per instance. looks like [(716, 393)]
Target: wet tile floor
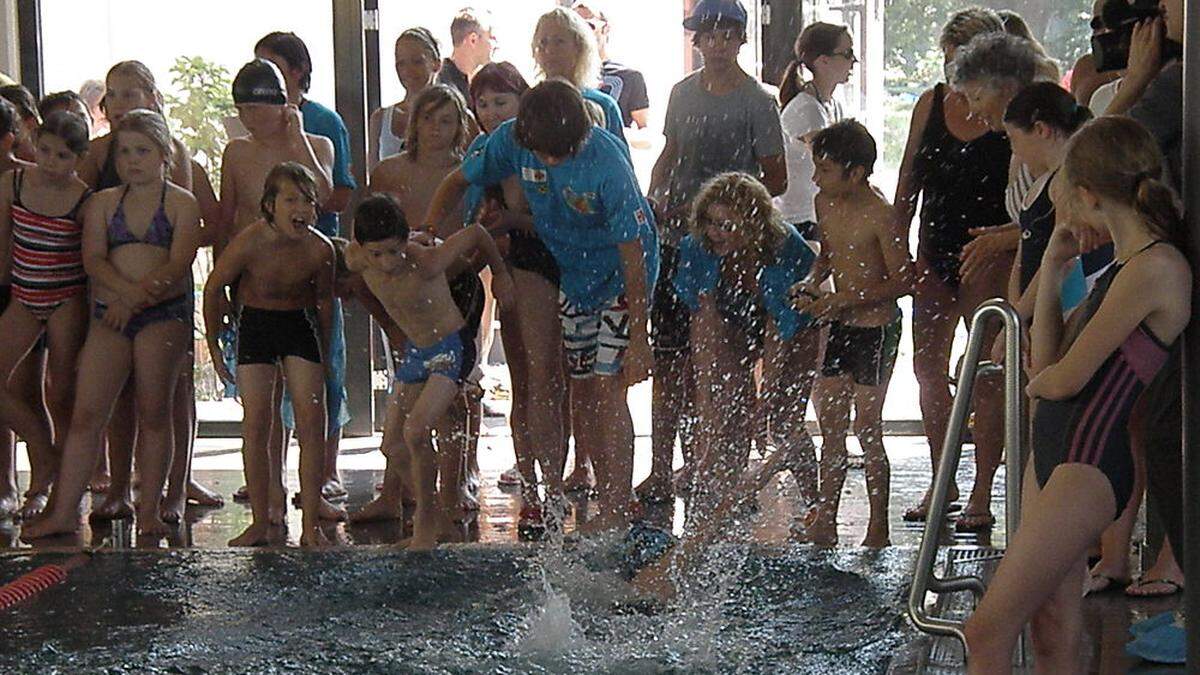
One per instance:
[(218, 465)]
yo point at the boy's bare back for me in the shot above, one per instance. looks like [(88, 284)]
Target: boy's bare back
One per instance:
[(859, 233), (277, 272)]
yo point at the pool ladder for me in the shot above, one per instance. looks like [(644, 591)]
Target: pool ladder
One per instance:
[(924, 579)]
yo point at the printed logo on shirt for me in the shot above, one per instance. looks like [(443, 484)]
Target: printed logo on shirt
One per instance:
[(533, 175), (582, 203), (640, 217)]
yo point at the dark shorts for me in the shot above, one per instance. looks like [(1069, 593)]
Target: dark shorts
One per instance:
[(670, 319), (527, 252), (267, 336), (866, 354), (178, 309)]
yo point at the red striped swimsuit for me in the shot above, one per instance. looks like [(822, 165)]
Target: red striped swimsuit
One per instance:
[(47, 255)]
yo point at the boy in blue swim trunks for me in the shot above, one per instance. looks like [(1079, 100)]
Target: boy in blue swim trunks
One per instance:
[(589, 211), (864, 248), (410, 280)]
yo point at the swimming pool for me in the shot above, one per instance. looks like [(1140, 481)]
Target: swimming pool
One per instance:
[(460, 609)]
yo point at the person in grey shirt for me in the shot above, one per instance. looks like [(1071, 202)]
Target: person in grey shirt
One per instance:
[(718, 119)]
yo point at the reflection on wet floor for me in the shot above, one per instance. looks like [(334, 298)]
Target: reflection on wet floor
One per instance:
[(218, 466)]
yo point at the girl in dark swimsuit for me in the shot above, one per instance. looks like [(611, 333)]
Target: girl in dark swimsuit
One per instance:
[(1087, 376), (139, 242), (959, 167)]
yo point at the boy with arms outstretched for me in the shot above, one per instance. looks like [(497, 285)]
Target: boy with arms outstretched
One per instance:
[(284, 271), (864, 247), (410, 280)]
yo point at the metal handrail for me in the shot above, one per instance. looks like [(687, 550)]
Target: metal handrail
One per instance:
[(924, 580)]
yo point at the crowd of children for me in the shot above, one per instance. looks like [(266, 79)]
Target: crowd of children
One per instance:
[(759, 268)]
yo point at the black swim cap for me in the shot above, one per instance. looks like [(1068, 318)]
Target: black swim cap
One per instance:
[(259, 81)]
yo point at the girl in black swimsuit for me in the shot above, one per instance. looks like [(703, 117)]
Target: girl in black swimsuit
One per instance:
[(959, 169), (1087, 376)]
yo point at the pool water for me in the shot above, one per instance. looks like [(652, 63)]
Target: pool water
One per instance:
[(461, 609)]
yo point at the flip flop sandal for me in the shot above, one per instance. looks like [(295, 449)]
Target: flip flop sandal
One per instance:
[(983, 521), (1142, 583), (1105, 584), (918, 514)]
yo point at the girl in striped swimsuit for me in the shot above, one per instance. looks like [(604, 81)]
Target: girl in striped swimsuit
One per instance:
[(41, 231), (1087, 376)]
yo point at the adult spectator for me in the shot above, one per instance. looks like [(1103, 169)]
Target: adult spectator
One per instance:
[(289, 53), (473, 44), (960, 169), (92, 93), (627, 85), (719, 119), (1084, 80)]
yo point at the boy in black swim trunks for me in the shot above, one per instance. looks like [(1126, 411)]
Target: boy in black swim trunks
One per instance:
[(410, 280), (863, 245), (284, 269)]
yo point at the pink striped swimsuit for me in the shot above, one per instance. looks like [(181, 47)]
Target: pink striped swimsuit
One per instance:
[(47, 255), (1092, 427)]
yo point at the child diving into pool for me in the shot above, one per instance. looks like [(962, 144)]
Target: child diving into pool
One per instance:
[(284, 270), (410, 280), (864, 247)]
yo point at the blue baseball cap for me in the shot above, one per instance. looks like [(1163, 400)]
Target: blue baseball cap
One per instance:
[(707, 12)]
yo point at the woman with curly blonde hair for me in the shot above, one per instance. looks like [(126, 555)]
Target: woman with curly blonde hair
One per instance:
[(736, 268)]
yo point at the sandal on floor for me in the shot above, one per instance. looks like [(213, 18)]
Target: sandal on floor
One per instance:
[(1102, 583), (1134, 592), (974, 522), (920, 512)]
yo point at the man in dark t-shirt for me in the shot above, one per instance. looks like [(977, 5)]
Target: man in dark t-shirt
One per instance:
[(473, 42), (619, 81)]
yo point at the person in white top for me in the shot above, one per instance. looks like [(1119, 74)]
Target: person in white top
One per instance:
[(827, 51)]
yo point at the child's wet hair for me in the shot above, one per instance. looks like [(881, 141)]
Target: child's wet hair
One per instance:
[(152, 125), (22, 100), (290, 48), (1116, 158), (8, 118), (1050, 104), (552, 119), (752, 204), (292, 172), (139, 73), (378, 218), (68, 126), (847, 143), (62, 100), (429, 100)]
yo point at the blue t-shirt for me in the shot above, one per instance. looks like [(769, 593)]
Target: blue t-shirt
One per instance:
[(612, 113), (700, 270), (582, 209), (322, 121)]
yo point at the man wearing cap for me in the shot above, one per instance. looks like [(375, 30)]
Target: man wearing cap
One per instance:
[(625, 84), (473, 41), (718, 119)]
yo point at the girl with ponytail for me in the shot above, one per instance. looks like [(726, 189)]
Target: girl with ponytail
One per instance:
[(1088, 374), (827, 51)]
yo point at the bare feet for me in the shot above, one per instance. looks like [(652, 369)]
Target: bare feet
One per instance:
[(877, 539), (430, 528), (49, 525), (8, 504), (313, 537), (920, 512), (241, 495), (255, 535), (152, 525), (822, 532), (604, 521), (377, 510), (468, 493), (202, 496), (276, 508), (172, 509), (330, 511), (654, 490), (35, 503), (114, 507)]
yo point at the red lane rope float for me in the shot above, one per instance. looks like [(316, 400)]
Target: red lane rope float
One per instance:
[(32, 583)]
